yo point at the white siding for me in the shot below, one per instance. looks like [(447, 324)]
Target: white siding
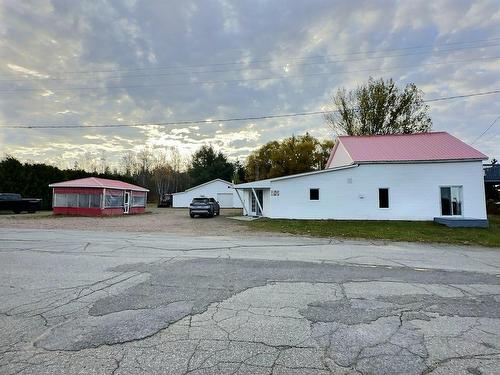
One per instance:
[(340, 158), (225, 200), (414, 192), (209, 190)]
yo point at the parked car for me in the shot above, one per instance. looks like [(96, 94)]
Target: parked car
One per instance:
[(204, 207), (14, 202)]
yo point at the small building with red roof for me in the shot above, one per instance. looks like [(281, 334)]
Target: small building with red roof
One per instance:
[(94, 196), (424, 176)]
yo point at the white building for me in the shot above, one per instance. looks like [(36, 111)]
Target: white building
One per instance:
[(388, 177), (219, 189)]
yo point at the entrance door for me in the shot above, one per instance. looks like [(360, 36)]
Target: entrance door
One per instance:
[(255, 207), (126, 202)]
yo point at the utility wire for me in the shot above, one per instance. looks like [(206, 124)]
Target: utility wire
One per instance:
[(258, 61), (214, 82), (311, 63), (486, 130), (194, 122)]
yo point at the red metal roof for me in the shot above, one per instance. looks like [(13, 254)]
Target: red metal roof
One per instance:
[(94, 182), (408, 147)]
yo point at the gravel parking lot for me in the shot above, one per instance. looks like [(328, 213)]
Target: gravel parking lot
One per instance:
[(156, 220)]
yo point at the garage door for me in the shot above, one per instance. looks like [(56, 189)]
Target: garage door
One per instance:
[(225, 200)]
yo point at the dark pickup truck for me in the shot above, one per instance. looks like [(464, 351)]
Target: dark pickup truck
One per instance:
[(14, 202)]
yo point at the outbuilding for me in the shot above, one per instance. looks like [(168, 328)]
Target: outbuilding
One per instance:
[(219, 189), (94, 196), (388, 177)]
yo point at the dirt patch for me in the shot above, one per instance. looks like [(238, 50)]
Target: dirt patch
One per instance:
[(160, 220)]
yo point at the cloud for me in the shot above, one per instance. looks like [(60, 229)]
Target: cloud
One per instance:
[(145, 61)]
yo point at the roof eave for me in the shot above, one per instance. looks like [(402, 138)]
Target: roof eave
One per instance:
[(97, 187), (418, 161)]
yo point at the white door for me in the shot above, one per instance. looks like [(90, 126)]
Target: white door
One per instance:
[(225, 200), (126, 203)]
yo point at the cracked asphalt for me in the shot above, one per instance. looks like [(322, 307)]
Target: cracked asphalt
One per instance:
[(81, 302)]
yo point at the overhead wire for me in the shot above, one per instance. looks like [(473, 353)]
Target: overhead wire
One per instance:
[(486, 130), (214, 82), (258, 61), (221, 120), (288, 64)]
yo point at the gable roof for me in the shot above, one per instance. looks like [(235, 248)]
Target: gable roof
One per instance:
[(205, 183), (435, 146), (95, 182)]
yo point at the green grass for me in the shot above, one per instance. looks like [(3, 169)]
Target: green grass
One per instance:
[(412, 231)]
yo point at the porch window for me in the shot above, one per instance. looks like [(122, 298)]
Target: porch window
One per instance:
[(138, 199), (314, 194), (84, 200), (77, 200), (451, 200), (383, 198), (113, 198)]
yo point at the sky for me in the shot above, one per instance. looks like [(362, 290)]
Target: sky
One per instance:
[(100, 62)]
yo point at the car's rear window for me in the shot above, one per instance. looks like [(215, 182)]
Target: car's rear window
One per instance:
[(203, 200)]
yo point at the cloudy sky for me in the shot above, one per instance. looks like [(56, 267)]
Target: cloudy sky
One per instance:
[(126, 62)]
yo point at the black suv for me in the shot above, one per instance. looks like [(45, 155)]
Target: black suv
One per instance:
[(204, 207)]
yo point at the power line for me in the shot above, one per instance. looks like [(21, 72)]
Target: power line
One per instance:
[(325, 62), (234, 119), (214, 82), (258, 61), (486, 130)]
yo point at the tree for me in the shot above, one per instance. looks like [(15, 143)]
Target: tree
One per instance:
[(379, 107), (207, 164), (296, 154), (239, 173)]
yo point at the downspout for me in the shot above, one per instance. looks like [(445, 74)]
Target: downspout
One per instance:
[(242, 203), (258, 202)]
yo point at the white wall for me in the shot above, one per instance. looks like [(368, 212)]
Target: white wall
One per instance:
[(209, 190), (414, 192)]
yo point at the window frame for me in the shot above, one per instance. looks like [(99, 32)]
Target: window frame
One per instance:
[(310, 191), (388, 198)]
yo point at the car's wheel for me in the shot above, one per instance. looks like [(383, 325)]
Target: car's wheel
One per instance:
[(211, 213), (17, 211), (218, 212), (192, 215)]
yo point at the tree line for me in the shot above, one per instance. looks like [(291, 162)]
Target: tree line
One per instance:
[(165, 171), (376, 107)]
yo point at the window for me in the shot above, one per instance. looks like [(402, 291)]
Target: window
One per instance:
[(314, 194), (383, 198), (95, 200), (451, 200), (71, 200), (83, 200), (114, 198), (139, 200), (59, 200), (77, 200)]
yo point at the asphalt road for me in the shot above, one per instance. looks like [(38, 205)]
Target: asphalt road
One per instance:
[(75, 302)]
